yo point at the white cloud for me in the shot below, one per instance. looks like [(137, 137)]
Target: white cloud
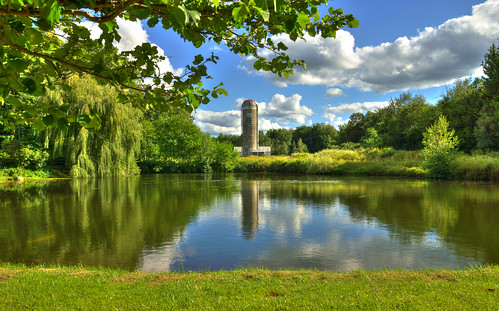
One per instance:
[(278, 113), (266, 124), (285, 109), (331, 113), (334, 92), (132, 34), (337, 122), (227, 122), (434, 57)]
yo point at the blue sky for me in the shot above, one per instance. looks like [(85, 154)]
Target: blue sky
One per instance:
[(419, 46)]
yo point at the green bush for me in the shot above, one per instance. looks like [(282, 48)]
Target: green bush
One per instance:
[(6, 159), (32, 158), (439, 145)]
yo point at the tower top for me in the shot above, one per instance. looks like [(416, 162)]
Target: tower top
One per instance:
[(249, 103)]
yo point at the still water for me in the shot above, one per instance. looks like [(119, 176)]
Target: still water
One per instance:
[(212, 222)]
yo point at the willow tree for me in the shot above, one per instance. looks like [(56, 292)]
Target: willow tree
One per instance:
[(110, 149), (42, 41)]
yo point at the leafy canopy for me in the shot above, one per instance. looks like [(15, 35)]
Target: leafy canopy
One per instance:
[(44, 42)]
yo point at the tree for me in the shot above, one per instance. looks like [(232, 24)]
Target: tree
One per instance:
[(299, 147), (487, 126), (235, 140), (280, 141), (44, 42), (491, 69), (486, 131), (173, 136), (461, 105), (372, 139), (353, 130), (263, 139), (439, 143), (109, 151)]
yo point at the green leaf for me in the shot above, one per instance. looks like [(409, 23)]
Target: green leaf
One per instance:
[(151, 22), (62, 124), (64, 108), (30, 85), (282, 46), (179, 15), (31, 109), (264, 14), (353, 24), (19, 65), (190, 17), (290, 24), (48, 120), (50, 11), (39, 125), (216, 3), (262, 4), (239, 13), (83, 120), (303, 19), (34, 36), (223, 91), (107, 26), (198, 59), (14, 101)]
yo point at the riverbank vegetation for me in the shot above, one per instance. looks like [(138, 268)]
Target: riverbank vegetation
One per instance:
[(372, 162), (458, 138), (49, 288)]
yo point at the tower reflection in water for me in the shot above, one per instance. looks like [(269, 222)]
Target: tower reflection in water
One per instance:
[(249, 215)]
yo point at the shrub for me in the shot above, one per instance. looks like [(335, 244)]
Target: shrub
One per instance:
[(372, 139), (439, 145), (32, 158)]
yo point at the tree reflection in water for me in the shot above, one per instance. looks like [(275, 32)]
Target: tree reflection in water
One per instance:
[(164, 222)]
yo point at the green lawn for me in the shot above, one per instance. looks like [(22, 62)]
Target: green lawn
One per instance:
[(73, 288)]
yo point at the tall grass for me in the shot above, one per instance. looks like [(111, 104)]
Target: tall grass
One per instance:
[(370, 162), (476, 167)]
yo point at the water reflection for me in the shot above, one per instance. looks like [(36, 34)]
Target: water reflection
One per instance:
[(249, 214), (198, 222)]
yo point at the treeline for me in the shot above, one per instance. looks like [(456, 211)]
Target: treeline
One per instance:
[(471, 107), (287, 141), (106, 138), (98, 135)]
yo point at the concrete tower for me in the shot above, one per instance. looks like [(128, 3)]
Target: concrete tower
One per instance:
[(249, 121)]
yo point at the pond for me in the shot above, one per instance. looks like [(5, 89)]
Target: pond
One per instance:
[(212, 222)]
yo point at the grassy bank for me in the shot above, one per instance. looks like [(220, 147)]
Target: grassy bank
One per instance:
[(10, 174), (251, 289), (370, 162)]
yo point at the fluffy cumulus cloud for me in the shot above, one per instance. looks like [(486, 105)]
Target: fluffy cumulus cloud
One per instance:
[(279, 112), (133, 34), (334, 92), (434, 57), (227, 122), (285, 109), (331, 113)]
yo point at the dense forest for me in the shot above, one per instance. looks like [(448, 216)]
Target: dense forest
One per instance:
[(108, 137)]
